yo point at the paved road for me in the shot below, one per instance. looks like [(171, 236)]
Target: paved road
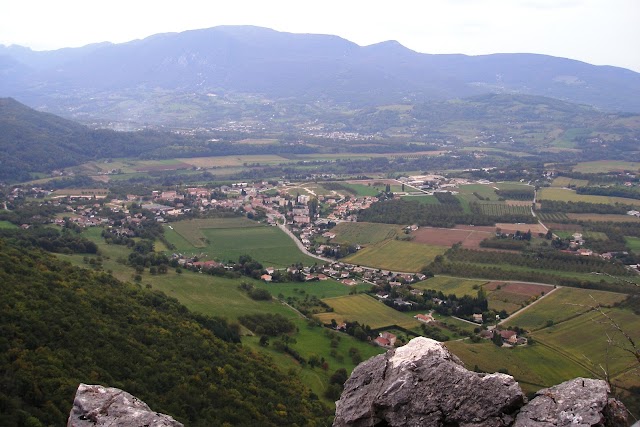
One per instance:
[(529, 306), (301, 246)]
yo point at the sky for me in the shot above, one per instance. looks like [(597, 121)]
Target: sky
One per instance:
[(600, 32)]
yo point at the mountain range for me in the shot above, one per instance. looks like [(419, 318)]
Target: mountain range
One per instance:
[(302, 67)]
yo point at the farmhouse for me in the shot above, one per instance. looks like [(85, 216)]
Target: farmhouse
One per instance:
[(266, 277), (424, 318), (386, 339)]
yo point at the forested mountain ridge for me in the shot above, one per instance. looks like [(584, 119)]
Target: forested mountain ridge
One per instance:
[(310, 67), (61, 325), (33, 141)]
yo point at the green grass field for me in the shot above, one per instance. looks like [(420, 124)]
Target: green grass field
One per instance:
[(7, 225), (534, 367), (365, 310), (585, 340), (364, 233), (482, 189), (396, 255), (563, 195), (321, 289), (226, 239), (633, 243), (451, 285), (603, 166), (560, 305), (191, 230), (424, 199), (563, 181)]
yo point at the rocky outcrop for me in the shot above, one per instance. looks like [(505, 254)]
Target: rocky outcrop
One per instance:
[(98, 406), (580, 402), (423, 384)]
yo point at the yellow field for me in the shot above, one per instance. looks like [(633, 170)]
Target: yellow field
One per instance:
[(563, 195), (396, 255), (365, 310)]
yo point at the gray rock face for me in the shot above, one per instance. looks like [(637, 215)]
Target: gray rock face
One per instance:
[(580, 402), (423, 384), (97, 406)]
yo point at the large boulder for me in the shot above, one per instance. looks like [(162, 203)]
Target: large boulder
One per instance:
[(98, 406), (423, 384), (581, 402)]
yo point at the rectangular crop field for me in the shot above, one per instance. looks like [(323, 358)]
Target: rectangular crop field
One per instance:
[(364, 233), (603, 166), (451, 285), (225, 239), (365, 310), (227, 161), (483, 190), (500, 209), (523, 228), (563, 181), (603, 218), (191, 230), (449, 236), (552, 217), (396, 255), (564, 195), (423, 198), (562, 304), (7, 224)]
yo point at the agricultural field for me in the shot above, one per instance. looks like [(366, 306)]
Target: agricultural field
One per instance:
[(191, 230), (322, 289), (379, 185), (633, 243), (449, 236), (451, 285), (534, 367), (483, 190), (603, 217), (552, 217), (585, 340), (565, 182), (604, 166), (523, 228), (423, 198), (511, 297), (564, 195), (500, 209), (365, 310), (396, 255), (562, 304), (229, 238), (364, 233)]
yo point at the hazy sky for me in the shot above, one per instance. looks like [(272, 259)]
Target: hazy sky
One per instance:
[(602, 32)]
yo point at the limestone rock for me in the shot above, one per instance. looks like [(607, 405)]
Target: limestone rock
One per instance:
[(423, 384), (580, 402), (98, 406)]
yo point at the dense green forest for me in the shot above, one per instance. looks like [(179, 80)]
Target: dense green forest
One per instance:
[(61, 325)]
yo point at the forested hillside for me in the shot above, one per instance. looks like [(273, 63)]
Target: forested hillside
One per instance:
[(61, 325)]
